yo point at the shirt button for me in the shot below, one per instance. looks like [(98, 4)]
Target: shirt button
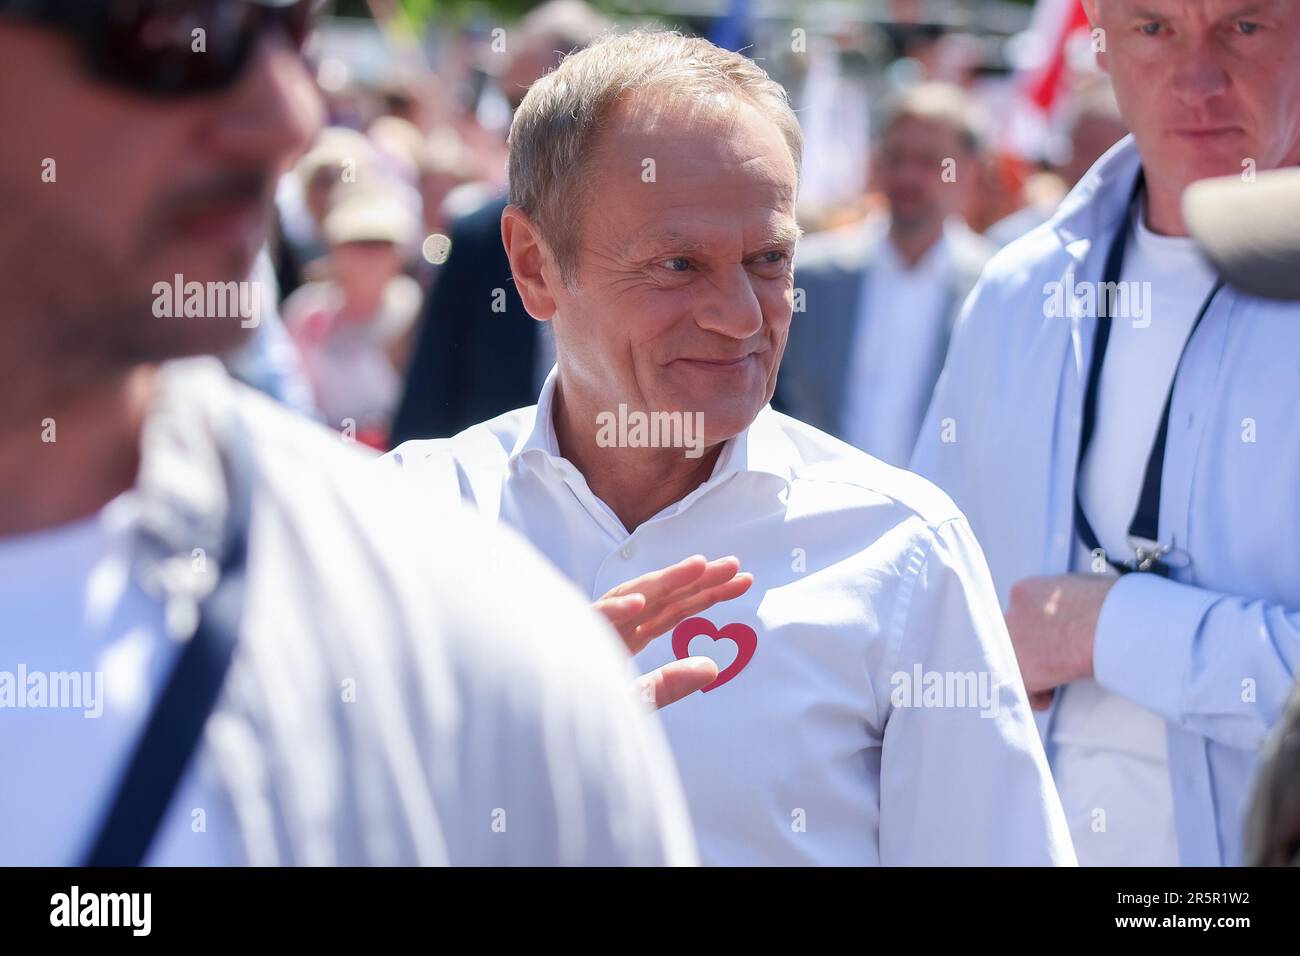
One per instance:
[(627, 551)]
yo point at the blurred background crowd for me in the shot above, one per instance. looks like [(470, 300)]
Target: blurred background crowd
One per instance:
[(395, 315)]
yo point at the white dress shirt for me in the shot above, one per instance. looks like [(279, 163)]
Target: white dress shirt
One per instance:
[(866, 581), (1214, 648), (902, 323)]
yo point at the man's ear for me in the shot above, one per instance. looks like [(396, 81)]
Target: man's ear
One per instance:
[(530, 262)]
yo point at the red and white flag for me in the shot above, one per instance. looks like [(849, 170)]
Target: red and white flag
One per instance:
[(1043, 82)]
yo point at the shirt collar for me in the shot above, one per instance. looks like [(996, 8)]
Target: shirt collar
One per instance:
[(763, 448), (540, 437), (1097, 205)]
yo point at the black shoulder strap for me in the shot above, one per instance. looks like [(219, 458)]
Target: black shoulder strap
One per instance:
[(176, 724), (1145, 525), (1146, 520)]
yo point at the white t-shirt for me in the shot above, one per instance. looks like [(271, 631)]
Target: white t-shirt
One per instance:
[(84, 657), (1110, 760), (901, 323)]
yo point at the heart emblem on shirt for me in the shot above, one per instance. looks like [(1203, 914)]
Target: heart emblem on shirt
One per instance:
[(742, 635)]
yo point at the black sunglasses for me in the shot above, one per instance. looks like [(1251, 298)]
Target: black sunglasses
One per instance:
[(169, 47)]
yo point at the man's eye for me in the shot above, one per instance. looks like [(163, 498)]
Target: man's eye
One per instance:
[(677, 264), (1247, 27), (771, 257), (1151, 29)]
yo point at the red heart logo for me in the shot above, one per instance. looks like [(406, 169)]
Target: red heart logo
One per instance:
[(744, 637)]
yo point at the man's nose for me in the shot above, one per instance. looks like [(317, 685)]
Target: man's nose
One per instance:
[(732, 309), (273, 112), (1198, 74)]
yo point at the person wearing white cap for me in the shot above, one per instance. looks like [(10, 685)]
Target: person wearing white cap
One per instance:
[(353, 329), (1118, 422)]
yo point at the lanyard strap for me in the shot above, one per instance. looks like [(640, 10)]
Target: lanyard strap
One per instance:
[(175, 727), (1145, 525)]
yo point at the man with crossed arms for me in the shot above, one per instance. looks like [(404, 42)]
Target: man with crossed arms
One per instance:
[(872, 712)]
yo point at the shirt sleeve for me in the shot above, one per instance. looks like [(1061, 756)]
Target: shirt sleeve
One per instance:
[(963, 780), (1216, 665)]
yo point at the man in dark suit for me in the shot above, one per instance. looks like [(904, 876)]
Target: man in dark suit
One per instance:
[(880, 299), (477, 352)]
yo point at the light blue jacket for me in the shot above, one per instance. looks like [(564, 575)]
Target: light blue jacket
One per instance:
[(1214, 649)]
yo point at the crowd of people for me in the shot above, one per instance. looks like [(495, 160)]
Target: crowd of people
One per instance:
[(987, 481), (430, 169)]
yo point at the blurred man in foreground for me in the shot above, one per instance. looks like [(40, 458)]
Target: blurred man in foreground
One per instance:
[(186, 567), (1120, 427), (871, 712)]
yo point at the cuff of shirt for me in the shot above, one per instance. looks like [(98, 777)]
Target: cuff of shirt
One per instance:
[(1145, 633)]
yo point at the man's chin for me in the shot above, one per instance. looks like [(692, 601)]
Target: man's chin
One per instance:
[(1211, 167), (203, 304), (1212, 162), (724, 422)]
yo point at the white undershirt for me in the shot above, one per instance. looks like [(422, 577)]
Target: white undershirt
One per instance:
[(1110, 761), (71, 607), (901, 319)]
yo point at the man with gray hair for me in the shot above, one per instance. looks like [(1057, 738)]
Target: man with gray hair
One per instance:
[(880, 299), (867, 708)]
